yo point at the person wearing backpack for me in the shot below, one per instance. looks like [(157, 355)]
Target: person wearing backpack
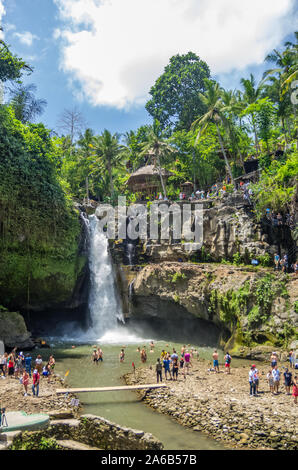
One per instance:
[(228, 360)]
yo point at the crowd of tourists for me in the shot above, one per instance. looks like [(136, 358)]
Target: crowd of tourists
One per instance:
[(23, 368), (171, 364), (274, 377), (281, 263), (278, 219)]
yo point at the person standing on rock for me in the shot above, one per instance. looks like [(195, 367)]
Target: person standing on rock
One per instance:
[(215, 361), (292, 358), (228, 360), (174, 356), (10, 365), (52, 363), (158, 368), (25, 382), (270, 381), (288, 381), (295, 389), (35, 385), (276, 379), (166, 365), (38, 363), (273, 359), (28, 360), (252, 376), (182, 365), (187, 361), (3, 362), (175, 369)]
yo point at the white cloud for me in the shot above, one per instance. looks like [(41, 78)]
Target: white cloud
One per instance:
[(2, 13), (26, 38), (115, 49)]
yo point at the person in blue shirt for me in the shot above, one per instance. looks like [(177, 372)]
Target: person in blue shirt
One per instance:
[(28, 360), (166, 364)]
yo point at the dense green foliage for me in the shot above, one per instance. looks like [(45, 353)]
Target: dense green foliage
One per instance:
[(175, 100), (11, 66), (200, 133)]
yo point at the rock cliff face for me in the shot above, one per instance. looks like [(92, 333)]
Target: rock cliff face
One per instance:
[(218, 304), (229, 229), (13, 331)]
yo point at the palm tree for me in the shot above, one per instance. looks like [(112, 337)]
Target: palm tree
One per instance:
[(159, 146), (85, 144), (283, 75), (110, 153), (286, 63), (252, 92), (24, 103), (212, 99)]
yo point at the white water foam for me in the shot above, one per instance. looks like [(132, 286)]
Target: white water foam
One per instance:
[(104, 307)]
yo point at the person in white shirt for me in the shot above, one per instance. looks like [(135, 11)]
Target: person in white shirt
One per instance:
[(276, 379), (252, 377)]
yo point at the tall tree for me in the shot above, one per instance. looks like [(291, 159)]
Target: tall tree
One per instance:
[(85, 151), (212, 99), (252, 92), (110, 153), (175, 101)]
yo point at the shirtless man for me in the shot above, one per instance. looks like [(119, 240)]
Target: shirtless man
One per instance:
[(215, 361), (99, 354)]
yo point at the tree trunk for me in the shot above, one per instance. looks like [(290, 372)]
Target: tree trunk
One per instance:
[(160, 174), (258, 150), (224, 154), (111, 179), (87, 189), (194, 171)]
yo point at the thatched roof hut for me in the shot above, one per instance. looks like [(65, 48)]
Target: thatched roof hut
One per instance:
[(146, 179), (187, 187)]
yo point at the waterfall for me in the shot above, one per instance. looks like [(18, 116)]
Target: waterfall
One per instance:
[(104, 308)]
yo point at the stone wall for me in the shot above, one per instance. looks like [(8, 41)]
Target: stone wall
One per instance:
[(92, 431)]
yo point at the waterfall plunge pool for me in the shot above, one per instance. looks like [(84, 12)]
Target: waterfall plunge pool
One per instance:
[(124, 408)]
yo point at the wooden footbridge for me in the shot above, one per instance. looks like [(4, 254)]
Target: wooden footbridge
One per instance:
[(110, 389)]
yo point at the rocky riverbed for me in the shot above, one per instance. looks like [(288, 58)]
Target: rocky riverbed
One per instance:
[(219, 405), (13, 399)]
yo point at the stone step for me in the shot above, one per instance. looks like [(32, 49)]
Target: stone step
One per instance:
[(74, 445)]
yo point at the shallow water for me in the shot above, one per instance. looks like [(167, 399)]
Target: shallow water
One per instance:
[(124, 407)]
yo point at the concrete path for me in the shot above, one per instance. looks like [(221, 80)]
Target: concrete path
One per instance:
[(19, 420)]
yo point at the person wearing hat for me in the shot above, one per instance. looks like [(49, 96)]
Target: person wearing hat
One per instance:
[(35, 384)]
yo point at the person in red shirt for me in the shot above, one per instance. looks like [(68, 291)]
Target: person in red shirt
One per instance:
[(295, 389), (35, 385), (10, 365)]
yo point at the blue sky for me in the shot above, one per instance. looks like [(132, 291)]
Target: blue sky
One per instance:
[(102, 56)]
